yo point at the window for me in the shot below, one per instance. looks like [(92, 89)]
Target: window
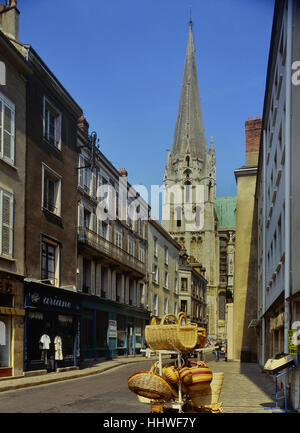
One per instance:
[(50, 262), (52, 124), (7, 129), (6, 223), (119, 238), (155, 247), (176, 308), (183, 306), (51, 191), (86, 276), (176, 286), (155, 274), (166, 280), (131, 246), (166, 255), (166, 305), (184, 284), (142, 253), (155, 304)]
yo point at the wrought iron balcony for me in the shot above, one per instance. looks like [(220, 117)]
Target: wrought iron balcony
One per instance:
[(109, 250)]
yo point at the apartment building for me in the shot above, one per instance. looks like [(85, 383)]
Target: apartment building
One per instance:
[(193, 290), (277, 195), (12, 198), (112, 255)]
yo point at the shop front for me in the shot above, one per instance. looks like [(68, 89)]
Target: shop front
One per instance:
[(11, 324), (51, 328), (111, 329)]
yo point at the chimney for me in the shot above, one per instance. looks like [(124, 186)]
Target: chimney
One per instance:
[(123, 172), (253, 132), (83, 125), (9, 19)]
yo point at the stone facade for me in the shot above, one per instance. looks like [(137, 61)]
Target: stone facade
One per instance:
[(12, 200)]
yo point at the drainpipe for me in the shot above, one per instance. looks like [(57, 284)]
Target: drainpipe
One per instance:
[(264, 250), (287, 289)]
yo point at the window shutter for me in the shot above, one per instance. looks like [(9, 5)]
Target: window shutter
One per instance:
[(6, 224), (58, 128), (94, 222), (80, 171), (94, 185)]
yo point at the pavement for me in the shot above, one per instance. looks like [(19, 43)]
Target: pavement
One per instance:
[(9, 384), (246, 388)]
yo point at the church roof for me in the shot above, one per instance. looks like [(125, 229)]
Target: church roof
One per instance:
[(225, 209), (189, 130)]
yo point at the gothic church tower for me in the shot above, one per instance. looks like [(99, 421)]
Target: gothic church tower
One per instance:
[(191, 172)]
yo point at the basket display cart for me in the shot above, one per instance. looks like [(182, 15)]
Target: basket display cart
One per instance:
[(201, 394)]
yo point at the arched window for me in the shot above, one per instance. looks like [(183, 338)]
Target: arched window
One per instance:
[(187, 160)]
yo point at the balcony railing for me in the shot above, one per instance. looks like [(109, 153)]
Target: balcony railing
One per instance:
[(109, 249)]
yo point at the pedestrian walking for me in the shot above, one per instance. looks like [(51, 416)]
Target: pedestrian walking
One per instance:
[(225, 351), (217, 350)]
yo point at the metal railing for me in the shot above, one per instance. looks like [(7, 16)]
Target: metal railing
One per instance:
[(94, 240)]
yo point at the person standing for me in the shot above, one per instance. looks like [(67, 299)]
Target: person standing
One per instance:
[(217, 350), (225, 351)]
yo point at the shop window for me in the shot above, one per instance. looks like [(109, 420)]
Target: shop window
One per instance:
[(5, 336), (121, 331), (65, 330), (101, 328), (87, 329), (138, 333), (50, 262)]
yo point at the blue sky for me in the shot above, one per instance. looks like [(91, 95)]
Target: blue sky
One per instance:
[(122, 61)]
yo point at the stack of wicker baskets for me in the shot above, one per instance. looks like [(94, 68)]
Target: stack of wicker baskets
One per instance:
[(200, 387)]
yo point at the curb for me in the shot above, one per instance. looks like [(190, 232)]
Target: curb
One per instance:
[(60, 379)]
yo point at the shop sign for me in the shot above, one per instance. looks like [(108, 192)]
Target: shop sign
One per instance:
[(35, 299), (292, 339), (112, 329)]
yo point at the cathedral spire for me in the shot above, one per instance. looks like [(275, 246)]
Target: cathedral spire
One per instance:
[(189, 124)]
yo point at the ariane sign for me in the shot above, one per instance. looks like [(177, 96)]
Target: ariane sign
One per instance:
[(50, 299)]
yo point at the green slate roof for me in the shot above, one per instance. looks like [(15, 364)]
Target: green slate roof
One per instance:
[(225, 209)]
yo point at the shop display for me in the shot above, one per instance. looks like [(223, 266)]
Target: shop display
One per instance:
[(180, 385)]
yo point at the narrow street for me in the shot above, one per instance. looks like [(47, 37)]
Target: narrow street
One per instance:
[(245, 390)]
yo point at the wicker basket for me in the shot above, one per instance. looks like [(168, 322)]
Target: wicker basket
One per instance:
[(151, 385), (171, 373), (178, 336), (209, 393)]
